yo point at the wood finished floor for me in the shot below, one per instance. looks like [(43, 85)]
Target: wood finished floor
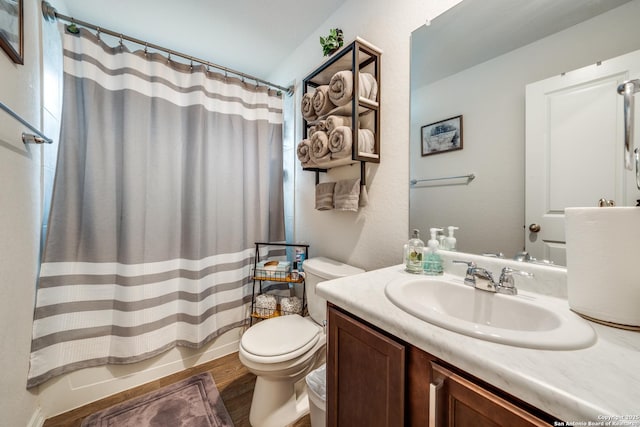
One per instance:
[(232, 379)]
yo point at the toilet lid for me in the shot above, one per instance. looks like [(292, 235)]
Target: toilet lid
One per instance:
[(280, 335)]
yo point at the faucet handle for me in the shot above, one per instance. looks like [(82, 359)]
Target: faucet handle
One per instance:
[(506, 284)]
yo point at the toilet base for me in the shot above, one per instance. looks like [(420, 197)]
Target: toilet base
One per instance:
[(278, 403)]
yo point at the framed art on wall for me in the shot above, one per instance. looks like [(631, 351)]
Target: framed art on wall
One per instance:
[(11, 29), (442, 136)]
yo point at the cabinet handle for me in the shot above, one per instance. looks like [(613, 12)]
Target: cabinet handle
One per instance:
[(433, 403)]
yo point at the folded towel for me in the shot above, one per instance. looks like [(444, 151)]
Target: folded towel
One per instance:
[(368, 121), (341, 87), (364, 196), (291, 305), (308, 113), (334, 121), (303, 151), (321, 102), (366, 141), (346, 195), (324, 196), (265, 305), (340, 141), (320, 147)]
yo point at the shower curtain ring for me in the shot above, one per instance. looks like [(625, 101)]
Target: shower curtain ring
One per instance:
[(121, 43), (169, 58), (146, 49), (191, 67), (98, 33)]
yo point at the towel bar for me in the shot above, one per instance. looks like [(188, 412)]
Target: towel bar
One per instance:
[(469, 177), (27, 138)]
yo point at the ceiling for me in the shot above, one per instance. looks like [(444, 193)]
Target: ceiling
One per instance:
[(251, 36), (476, 31)]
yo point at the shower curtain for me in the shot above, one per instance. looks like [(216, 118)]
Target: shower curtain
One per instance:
[(167, 174)]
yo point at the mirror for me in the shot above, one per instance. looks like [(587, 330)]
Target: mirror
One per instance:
[(475, 61)]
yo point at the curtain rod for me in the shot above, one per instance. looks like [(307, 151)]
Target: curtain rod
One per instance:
[(51, 14)]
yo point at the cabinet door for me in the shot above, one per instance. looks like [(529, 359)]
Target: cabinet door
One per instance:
[(455, 401), (365, 375)]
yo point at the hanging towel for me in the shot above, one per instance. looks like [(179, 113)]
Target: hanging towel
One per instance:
[(321, 102), (308, 112), (334, 121), (341, 87), (346, 195), (364, 196), (324, 196), (366, 141), (303, 151), (340, 141), (320, 147)]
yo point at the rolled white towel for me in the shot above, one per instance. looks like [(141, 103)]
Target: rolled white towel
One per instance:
[(308, 113), (266, 305), (303, 151), (366, 141), (320, 147), (368, 121), (340, 142), (291, 305), (341, 87), (321, 102), (334, 121)]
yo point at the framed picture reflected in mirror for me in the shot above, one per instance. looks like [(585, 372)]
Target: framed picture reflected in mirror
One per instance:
[(11, 29), (442, 136)]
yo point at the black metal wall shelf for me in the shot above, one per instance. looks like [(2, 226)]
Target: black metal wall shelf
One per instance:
[(359, 56)]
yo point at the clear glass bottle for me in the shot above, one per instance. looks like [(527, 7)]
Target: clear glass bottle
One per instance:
[(413, 254)]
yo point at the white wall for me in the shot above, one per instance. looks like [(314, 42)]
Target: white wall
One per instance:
[(490, 96), (374, 236), (20, 214)]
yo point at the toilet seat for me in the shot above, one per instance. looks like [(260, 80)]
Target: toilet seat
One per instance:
[(280, 339)]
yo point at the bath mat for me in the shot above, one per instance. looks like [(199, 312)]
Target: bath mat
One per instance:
[(194, 402)]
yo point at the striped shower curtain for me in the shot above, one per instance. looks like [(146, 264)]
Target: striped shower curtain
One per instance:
[(167, 174)]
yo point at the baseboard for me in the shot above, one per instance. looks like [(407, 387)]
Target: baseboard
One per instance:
[(37, 419)]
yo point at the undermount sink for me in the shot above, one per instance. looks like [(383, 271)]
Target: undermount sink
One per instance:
[(524, 320)]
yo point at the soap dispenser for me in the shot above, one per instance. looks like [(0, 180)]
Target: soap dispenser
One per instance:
[(450, 241), (432, 265), (413, 253)]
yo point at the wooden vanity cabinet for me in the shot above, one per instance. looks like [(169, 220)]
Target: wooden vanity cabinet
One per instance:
[(375, 379), (365, 375)]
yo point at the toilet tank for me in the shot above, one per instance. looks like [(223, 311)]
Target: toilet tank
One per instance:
[(318, 270)]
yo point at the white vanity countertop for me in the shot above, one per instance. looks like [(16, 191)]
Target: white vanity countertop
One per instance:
[(574, 386)]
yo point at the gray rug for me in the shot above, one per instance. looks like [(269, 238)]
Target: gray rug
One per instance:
[(194, 402)]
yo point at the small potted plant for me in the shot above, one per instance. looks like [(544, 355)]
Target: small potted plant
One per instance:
[(332, 42)]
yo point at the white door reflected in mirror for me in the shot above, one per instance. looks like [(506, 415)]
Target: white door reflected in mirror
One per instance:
[(574, 141)]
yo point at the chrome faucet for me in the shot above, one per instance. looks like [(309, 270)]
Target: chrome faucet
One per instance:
[(481, 278)]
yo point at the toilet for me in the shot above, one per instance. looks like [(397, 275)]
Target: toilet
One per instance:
[(281, 351)]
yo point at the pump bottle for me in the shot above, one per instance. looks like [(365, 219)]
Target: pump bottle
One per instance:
[(432, 265), (450, 241), (413, 253)]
